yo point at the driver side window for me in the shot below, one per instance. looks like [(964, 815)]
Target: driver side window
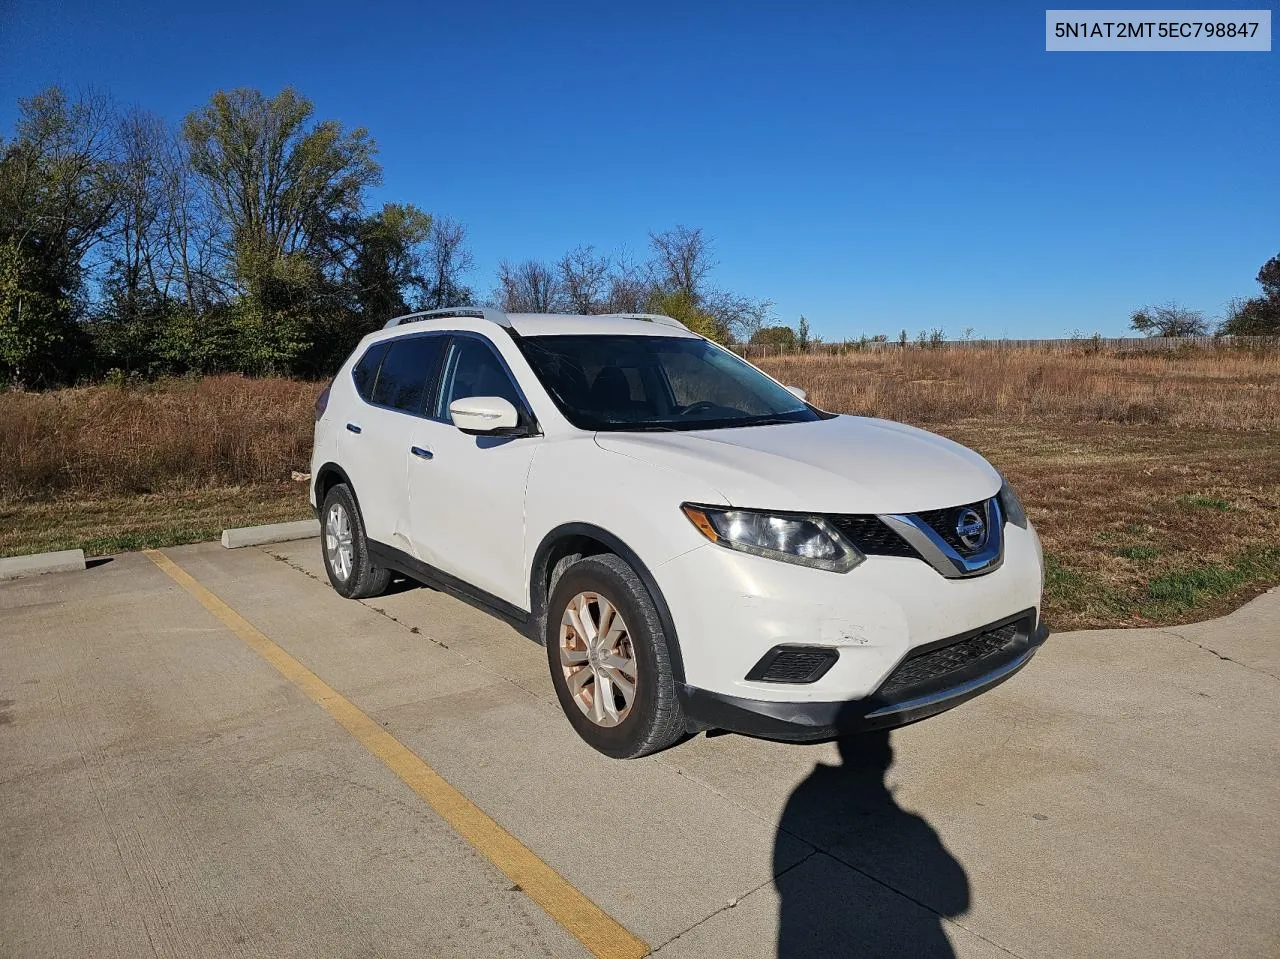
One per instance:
[(473, 369)]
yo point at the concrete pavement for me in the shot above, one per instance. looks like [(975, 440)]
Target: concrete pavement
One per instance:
[(164, 791)]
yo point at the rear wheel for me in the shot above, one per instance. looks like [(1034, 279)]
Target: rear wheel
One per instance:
[(609, 663), (346, 549)]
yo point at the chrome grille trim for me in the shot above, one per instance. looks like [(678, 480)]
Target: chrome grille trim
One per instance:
[(939, 554)]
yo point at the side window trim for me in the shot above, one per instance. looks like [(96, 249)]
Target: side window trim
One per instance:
[(525, 409), (432, 385), (379, 347)]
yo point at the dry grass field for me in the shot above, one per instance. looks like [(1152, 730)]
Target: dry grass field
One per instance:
[(110, 468), (1154, 479)]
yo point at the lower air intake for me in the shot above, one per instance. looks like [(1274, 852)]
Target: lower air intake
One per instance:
[(928, 666), (793, 664)]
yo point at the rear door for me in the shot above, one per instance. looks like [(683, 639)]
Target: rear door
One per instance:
[(374, 445)]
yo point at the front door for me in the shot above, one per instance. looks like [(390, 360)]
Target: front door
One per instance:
[(466, 493)]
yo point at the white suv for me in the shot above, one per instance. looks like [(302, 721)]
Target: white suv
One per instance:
[(696, 546)]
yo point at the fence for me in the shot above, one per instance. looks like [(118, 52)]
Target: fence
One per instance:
[(1073, 344)]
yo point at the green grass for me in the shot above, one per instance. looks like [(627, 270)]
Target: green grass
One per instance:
[(149, 539), (1073, 589), (1190, 588), (1137, 552), (119, 524), (1200, 501)]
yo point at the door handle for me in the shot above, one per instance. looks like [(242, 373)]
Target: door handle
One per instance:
[(352, 428), (421, 453)]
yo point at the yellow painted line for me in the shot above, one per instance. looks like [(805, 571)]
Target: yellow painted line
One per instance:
[(599, 932)]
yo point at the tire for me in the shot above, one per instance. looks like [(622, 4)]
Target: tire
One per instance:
[(350, 572), (634, 654)]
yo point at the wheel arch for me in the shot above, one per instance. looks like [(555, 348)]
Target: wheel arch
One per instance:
[(585, 539), (327, 477)]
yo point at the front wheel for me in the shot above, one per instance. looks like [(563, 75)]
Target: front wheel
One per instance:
[(609, 663), (346, 549)]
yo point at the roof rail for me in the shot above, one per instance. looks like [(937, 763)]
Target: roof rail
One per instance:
[(473, 312), (651, 318)]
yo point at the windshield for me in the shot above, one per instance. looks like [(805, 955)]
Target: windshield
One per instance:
[(657, 383)]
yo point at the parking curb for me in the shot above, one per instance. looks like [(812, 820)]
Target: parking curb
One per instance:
[(34, 564), (271, 533)]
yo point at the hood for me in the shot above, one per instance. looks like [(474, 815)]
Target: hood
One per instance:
[(847, 464)]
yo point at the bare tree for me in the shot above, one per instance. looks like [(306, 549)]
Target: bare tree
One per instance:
[(528, 287), (164, 246), (584, 279), (1169, 320), (192, 236), (447, 261), (740, 316), (138, 267), (629, 288), (682, 260)]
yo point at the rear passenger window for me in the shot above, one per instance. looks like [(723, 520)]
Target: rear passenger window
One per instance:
[(409, 366), (365, 372)]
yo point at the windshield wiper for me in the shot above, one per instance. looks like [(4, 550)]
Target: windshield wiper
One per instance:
[(769, 421)]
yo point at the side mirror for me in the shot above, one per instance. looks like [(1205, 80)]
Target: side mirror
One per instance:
[(483, 414), (798, 393)]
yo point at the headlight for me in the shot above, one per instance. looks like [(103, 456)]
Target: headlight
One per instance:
[(1009, 505), (803, 540)]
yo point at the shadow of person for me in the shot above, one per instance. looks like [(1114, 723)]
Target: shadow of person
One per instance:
[(880, 882)]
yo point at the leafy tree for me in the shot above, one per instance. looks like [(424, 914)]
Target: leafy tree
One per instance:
[(803, 338), (389, 262), (1259, 316), (782, 337), (1169, 320), (34, 314), (679, 305), (288, 194), (243, 242), (57, 197)]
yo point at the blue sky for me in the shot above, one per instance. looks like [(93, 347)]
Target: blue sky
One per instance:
[(907, 165)]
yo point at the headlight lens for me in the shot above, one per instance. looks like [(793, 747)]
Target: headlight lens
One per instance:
[(1013, 511), (803, 540)]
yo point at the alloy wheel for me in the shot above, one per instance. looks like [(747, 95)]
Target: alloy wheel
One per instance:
[(337, 542), (598, 659)]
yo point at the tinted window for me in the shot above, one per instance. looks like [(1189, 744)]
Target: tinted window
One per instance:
[(365, 372), (475, 370), (410, 364), (607, 382)]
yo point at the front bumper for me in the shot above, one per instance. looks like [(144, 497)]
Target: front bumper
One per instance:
[(731, 610), (815, 721)]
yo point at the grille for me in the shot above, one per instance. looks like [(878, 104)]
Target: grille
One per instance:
[(873, 537), (933, 664), (944, 521), (797, 665)]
